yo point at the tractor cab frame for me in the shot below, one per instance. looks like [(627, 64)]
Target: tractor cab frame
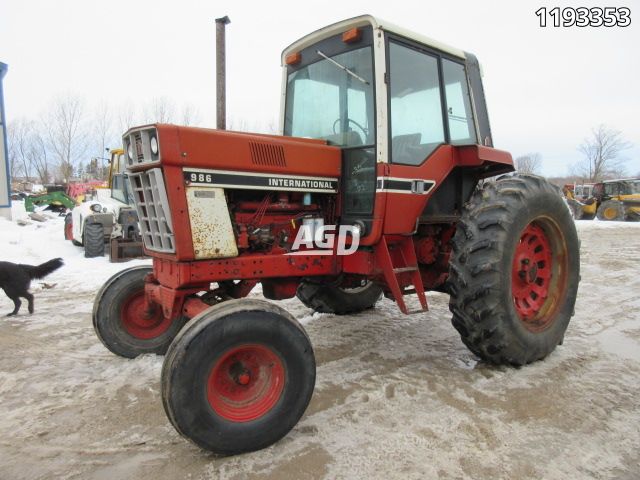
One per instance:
[(406, 110)]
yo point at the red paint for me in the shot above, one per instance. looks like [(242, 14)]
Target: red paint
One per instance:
[(531, 274), (68, 231), (395, 216), (141, 319), (246, 382)]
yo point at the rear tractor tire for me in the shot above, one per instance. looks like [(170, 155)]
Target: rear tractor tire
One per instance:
[(514, 271), (330, 298), (611, 210), (123, 323), (238, 377), (93, 240)]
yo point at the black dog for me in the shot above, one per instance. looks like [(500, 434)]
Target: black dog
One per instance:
[(15, 279)]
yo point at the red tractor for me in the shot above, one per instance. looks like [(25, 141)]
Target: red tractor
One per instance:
[(384, 133)]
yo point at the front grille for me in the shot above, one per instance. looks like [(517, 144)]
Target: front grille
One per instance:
[(137, 138), (152, 205), (137, 147)]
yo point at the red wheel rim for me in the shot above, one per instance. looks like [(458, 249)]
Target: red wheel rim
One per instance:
[(139, 321), (532, 276), (68, 231), (245, 383)]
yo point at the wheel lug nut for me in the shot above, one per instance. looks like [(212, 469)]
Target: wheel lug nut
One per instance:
[(244, 378)]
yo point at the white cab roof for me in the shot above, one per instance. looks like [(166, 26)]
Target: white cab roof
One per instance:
[(376, 23)]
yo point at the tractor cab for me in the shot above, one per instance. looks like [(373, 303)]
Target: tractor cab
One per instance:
[(400, 106), (117, 177)]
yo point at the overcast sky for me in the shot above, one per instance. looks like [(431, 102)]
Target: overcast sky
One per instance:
[(546, 87)]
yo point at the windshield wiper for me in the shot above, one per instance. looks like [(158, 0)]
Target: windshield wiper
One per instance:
[(354, 75)]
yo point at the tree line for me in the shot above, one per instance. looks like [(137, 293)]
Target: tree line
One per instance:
[(71, 139), (602, 157)]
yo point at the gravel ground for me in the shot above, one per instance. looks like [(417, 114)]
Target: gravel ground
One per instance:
[(396, 397)]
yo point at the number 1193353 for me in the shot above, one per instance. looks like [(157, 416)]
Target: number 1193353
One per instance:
[(584, 17)]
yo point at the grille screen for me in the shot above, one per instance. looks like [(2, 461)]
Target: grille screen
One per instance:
[(154, 215)]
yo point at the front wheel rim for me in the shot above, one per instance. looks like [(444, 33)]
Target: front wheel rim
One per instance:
[(539, 274), (141, 320), (610, 213), (246, 382)]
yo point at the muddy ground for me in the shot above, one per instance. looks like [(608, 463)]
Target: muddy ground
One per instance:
[(396, 397)]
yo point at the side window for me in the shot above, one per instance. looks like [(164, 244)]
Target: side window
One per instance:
[(459, 115), (416, 107)]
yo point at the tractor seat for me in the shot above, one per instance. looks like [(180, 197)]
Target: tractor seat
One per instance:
[(403, 147), (344, 139)]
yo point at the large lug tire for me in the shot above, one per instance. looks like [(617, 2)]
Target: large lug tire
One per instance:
[(329, 298), (514, 271), (93, 240), (238, 377), (611, 210), (122, 322)]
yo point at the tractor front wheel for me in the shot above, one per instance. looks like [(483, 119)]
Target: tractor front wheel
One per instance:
[(611, 210), (125, 323), (339, 300), (93, 240), (238, 377), (514, 270)]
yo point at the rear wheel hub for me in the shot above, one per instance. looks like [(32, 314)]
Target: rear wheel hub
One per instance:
[(531, 275)]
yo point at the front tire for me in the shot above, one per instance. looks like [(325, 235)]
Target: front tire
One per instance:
[(93, 240), (611, 210), (238, 377), (514, 271), (122, 322), (330, 298)]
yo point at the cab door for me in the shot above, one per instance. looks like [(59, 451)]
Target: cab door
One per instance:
[(429, 113)]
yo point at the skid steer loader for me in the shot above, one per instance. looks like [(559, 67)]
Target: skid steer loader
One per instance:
[(379, 185)]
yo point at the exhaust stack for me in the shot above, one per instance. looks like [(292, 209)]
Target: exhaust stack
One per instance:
[(221, 74)]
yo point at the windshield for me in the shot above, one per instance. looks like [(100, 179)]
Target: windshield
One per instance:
[(332, 99)]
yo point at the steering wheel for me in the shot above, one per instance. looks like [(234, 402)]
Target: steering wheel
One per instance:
[(349, 121)]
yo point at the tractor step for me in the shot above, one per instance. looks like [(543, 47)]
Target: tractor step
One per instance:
[(418, 310), (405, 269), (403, 260)]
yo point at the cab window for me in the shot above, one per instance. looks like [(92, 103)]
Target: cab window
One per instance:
[(459, 115), (416, 105)]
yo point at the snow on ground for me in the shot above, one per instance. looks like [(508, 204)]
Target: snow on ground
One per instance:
[(396, 396)]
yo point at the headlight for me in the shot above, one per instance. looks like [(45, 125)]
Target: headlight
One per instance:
[(154, 145), (96, 207), (130, 151)]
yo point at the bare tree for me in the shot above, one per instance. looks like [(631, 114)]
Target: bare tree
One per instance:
[(13, 132), (190, 115), (66, 136), (529, 163), (602, 154), (39, 156), (19, 132), (104, 139), (159, 110), (126, 117)]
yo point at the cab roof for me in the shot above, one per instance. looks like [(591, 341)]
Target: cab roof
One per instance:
[(376, 23)]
